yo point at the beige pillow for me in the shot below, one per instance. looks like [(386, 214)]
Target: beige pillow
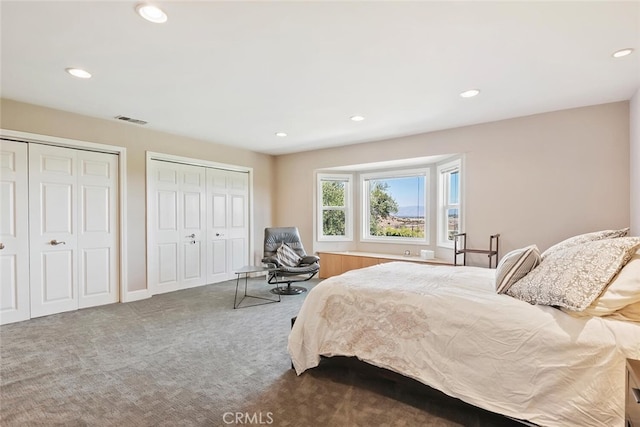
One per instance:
[(622, 292), (583, 238), (515, 265), (574, 277)]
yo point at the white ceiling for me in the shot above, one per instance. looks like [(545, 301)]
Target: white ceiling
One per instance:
[(235, 73)]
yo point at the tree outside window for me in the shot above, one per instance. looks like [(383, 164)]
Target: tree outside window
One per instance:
[(394, 208), (333, 203), (334, 198)]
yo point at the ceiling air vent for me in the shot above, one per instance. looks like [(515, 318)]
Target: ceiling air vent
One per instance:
[(130, 120)]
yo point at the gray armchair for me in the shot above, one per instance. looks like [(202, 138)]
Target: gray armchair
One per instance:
[(305, 270)]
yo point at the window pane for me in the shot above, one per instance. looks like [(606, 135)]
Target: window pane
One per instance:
[(396, 207), (453, 223), (454, 188), (333, 193), (333, 223)]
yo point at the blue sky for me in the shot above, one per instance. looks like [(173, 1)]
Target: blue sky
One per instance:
[(410, 191), (407, 191)]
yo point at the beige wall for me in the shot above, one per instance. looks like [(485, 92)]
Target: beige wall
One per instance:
[(535, 179), (635, 163), (137, 140)]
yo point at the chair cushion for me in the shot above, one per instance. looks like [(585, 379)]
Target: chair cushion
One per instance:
[(302, 269), (287, 256)]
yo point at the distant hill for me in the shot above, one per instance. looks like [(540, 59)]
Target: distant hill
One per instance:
[(409, 211)]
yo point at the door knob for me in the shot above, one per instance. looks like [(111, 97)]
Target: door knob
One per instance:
[(1, 246), (54, 242), (192, 236)]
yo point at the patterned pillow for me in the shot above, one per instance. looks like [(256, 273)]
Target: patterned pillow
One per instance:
[(287, 256), (623, 291), (575, 276), (584, 238), (515, 265)]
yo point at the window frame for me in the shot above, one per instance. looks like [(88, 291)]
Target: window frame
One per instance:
[(364, 178), (445, 169), (347, 208)]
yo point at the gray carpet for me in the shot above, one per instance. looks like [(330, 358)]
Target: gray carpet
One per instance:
[(188, 358)]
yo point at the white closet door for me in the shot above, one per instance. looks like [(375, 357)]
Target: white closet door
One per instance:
[(14, 233), (228, 228), (53, 229), (217, 220), (74, 260), (238, 231), (98, 249), (177, 256)]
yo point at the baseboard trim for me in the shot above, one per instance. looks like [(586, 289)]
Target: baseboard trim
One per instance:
[(136, 295)]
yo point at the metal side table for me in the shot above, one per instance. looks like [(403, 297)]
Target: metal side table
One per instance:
[(246, 270)]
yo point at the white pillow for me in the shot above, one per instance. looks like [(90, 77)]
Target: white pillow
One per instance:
[(574, 277), (583, 238), (515, 265), (622, 293), (287, 256)]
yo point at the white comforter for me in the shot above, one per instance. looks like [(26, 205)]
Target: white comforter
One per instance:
[(447, 328)]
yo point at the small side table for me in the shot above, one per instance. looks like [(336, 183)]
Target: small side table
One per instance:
[(491, 252), (246, 270)]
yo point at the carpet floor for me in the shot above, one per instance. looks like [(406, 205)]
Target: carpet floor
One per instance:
[(187, 358)]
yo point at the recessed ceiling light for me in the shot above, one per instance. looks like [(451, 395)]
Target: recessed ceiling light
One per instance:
[(470, 93), (79, 73), (622, 52), (283, 134), (357, 118), (151, 13)]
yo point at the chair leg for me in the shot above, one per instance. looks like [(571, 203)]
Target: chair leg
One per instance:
[(289, 290)]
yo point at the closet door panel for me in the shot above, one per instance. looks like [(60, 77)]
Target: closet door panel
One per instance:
[(98, 278), (53, 229), (14, 233), (73, 197), (164, 229), (238, 230), (57, 277), (98, 240), (239, 253), (218, 258), (9, 288), (168, 260), (192, 260), (198, 225), (177, 229), (217, 223), (57, 208), (192, 225)]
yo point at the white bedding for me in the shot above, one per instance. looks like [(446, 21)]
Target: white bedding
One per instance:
[(447, 328)]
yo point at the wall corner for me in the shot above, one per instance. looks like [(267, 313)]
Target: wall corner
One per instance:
[(634, 166)]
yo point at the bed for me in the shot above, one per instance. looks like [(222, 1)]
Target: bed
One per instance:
[(448, 328)]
